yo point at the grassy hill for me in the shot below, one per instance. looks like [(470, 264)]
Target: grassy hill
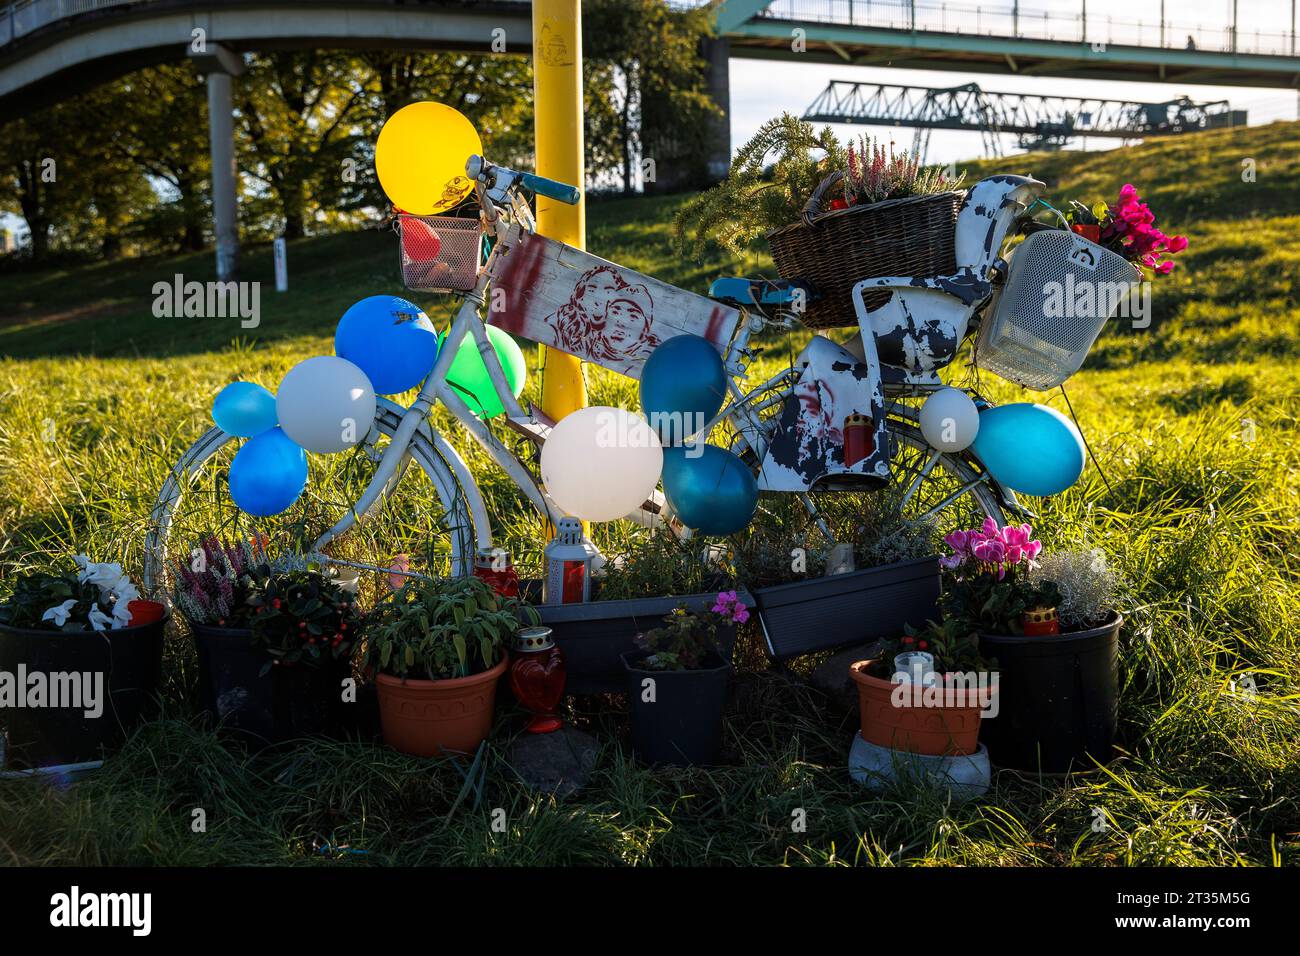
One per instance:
[(1192, 421)]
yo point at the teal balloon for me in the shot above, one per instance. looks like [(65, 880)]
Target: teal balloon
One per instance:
[(244, 409), (683, 385), (713, 492), (390, 339), (1029, 448), (268, 474)]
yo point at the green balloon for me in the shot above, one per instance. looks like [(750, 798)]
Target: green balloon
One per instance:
[(469, 376)]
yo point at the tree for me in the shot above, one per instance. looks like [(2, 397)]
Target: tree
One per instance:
[(297, 124), (650, 98)]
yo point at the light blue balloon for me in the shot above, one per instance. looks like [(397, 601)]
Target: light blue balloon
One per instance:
[(683, 385), (390, 339), (268, 474), (1030, 448), (244, 409), (713, 492)]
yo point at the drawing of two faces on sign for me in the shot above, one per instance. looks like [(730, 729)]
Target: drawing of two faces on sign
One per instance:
[(607, 319)]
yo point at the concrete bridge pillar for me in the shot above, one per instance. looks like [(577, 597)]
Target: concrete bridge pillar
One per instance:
[(220, 65), (718, 53)]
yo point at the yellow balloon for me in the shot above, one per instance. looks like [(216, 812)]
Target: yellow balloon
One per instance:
[(420, 157)]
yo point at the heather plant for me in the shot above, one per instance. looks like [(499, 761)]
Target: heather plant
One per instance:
[(214, 586), (873, 174)]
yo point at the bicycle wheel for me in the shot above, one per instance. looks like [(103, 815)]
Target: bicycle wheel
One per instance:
[(431, 520), (953, 490)]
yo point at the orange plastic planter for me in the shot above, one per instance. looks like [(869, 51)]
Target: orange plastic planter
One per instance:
[(428, 717), (932, 731)]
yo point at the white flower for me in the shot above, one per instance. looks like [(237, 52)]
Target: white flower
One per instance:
[(99, 621), (59, 614), (122, 613), (114, 586)]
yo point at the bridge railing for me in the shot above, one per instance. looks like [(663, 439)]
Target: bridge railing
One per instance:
[(24, 16), (1019, 20)]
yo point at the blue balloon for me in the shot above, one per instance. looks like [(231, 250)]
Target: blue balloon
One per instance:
[(389, 339), (1030, 448), (244, 409), (268, 474), (683, 385), (713, 492)]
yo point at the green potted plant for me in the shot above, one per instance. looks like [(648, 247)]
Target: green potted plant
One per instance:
[(80, 663), (1059, 672), (677, 683), (926, 693), (437, 649)]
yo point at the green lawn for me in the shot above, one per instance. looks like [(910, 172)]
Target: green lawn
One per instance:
[(1192, 419)]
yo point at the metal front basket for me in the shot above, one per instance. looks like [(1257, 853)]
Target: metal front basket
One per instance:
[(440, 253), (1060, 290)]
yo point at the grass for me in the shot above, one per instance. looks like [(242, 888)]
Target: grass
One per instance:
[(1192, 420)]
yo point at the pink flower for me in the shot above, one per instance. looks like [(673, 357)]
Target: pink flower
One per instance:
[(990, 528), (1128, 193), (952, 561), (741, 615), (1177, 243), (990, 550), (959, 541), (1033, 549)]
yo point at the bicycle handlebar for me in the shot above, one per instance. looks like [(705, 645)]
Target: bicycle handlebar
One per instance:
[(550, 188), (499, 180)]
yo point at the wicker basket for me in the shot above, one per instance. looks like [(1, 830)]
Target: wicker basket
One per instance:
[(833, 251)]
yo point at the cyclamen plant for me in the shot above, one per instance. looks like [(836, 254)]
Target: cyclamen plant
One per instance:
[(687, 640), (990, 587), (96, 598)]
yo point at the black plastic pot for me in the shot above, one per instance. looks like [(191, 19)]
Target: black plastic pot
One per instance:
[(130, 660), (824, 613), (595, 635), (1058, 699), (682, 724), (285, 702)]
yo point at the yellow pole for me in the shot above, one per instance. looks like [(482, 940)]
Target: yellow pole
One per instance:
[(557, 98)]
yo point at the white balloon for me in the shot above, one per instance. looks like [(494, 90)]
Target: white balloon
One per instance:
[(325, 404), (949, 420), (601, 463)]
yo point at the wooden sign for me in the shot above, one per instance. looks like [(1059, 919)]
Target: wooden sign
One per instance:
[(601, 312)]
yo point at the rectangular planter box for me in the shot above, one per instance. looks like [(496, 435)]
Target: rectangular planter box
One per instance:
[(594, 636), (825, 613)]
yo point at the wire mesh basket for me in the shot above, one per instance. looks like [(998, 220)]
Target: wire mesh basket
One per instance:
[(440, 253), (1060, 290)]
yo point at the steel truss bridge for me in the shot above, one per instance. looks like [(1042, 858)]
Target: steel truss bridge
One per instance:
[(1040, 122)]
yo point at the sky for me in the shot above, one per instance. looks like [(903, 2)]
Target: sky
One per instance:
[(761, 89)]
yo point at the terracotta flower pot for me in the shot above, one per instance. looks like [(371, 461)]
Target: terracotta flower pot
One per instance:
[(932, 731), (428, 717)]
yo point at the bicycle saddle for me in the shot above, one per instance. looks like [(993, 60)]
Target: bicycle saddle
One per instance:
[(744, 293)]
